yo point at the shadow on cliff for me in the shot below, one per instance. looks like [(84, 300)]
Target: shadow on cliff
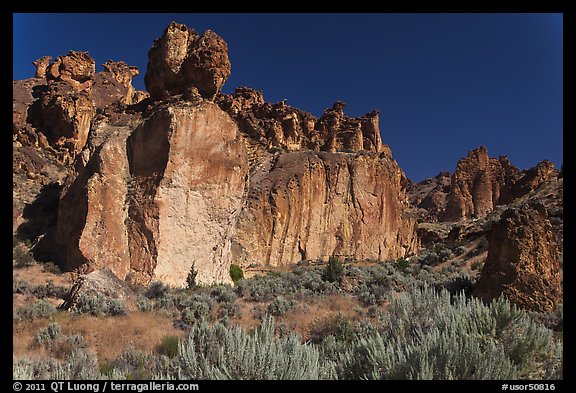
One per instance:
[(40, 224)]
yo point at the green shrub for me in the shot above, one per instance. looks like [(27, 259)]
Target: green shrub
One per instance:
[(279, 306), (169, 346), (21, 286), (143, 303), (428, 334), (191, 278), (460, 250), (402, 264), (40, 309), (50, 267), (336, 326), (52, 338), (156, 290), (333, 271), (50, 290), (236, 273), (97, 304), (48, 335), (22, 254), (476, 265), (223, 294), (194, 312), (219, 352)]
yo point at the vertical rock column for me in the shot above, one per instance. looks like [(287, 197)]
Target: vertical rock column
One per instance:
[(189, 171)]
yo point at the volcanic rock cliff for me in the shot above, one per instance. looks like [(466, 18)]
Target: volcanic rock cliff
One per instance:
[(523, 261), (193, 177)]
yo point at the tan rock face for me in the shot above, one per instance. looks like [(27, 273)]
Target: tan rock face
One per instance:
[(310, 206), (429, 196), (123, 74), (523, 261), (477, 184), (92, 212), (150, 202), (114, 85), (189, 169), (181, 59)]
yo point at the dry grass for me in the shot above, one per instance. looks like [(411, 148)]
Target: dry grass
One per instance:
[(108, 337), (36, 276)]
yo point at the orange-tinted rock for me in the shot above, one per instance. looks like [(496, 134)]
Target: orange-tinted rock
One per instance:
[(75, 68), (523, 262), (476, 185), (189, 169), (22, 99), (529, 181), (429, 196), (283, 126), (41, 65), (63, 114), (123, 74), (114, 85), (310, 206), (149, 203), (91, 233), (181, 59)]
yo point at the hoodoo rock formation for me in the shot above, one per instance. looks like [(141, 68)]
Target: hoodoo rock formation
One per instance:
[(477, 185), (283, 126), (523, 262), (205, 184), (55, 109), (181, 60)]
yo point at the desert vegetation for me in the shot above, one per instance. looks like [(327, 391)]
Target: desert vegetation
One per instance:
[(403, 319)]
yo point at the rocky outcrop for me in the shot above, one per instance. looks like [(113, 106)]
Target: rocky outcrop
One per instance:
[(64, 115), (149, 203), (477, 185), (64, 106), (54, 111), (114, 84), (76, 69), (283, 126), (523, 262), (529, 181), (309, 206), (23, 134), (181, 60), (429, 196), (202, 184), (90, 231), (188, 168), (41, 65), (100, 283)]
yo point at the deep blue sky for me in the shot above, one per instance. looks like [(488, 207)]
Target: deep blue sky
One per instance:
[(443, 83)]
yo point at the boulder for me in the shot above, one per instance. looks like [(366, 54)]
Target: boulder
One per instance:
[(523, 263), (100, 282), (181, 59)]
